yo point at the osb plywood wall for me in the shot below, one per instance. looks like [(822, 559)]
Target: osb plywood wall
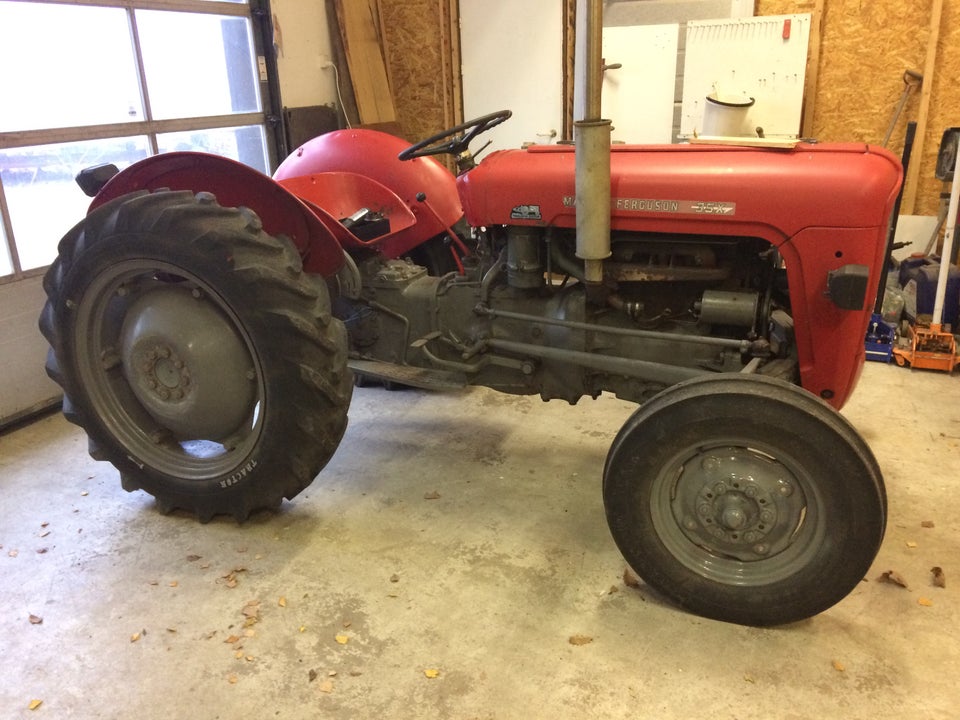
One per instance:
[(865, 48), (422, 55)]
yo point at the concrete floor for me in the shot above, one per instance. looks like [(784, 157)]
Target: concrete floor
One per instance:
[(340, 605)]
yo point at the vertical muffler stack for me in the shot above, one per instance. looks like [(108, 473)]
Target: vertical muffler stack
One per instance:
[(592, 142)]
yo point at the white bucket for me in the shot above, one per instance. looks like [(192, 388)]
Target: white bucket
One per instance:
[(726, 116)]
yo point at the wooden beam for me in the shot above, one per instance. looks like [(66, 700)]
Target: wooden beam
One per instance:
[(359, 30), (909, 203), (813, 70)]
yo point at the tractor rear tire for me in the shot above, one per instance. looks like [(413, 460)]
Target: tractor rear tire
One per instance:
[(744, 499), (197, 355)]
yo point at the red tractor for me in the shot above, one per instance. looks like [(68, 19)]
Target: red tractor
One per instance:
[(207, 324)]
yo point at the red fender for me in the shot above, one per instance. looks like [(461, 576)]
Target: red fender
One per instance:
[(358, 168), (235, 185)]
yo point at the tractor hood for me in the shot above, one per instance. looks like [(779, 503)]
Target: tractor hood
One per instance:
[(771, 193)]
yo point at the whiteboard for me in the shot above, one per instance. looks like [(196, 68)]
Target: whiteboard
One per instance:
[(639, 96), (763, 57)]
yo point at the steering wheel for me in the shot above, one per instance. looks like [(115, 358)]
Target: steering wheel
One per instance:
[(451, 140)]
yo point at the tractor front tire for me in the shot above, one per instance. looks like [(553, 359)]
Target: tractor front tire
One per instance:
[(745, 499), (194, 351)]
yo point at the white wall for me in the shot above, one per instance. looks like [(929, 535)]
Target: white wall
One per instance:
[(303, 49), (24, 385), (513, 59)]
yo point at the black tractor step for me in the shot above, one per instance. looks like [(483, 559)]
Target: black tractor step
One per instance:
[(407, 375)]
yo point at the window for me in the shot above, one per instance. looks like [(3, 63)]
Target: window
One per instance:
[(115, 82)]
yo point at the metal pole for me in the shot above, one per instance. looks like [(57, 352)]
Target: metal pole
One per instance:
[(947, 245), (592, 142)]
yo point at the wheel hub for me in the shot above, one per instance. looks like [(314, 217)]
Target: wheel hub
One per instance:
[(738, 502), (165, 374), (187, 364)]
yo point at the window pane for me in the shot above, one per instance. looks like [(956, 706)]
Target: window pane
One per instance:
[(43, 198), (198, 65), (65, 65), (6, 263), (246, 144)]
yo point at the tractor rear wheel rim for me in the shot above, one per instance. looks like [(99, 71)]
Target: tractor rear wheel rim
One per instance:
[(169, 367)]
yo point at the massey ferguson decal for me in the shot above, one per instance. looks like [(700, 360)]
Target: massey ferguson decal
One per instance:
[(690, 207), (526, 212)]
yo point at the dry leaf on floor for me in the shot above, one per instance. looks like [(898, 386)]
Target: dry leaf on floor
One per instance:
[(580, 639), (193, 558), (926, 602), (251, 609), (432, 673), (232, 679), (342, 639), (34, 704), (282, 602), (311, 676), (911, 544), (36, 620), (939, 579), (893, 577), (839, 666), (432, 495), (232, 639), (394, 578), (135, 637), (927, 524), (326, 686), (231, 577), (174, 583), (630, 579)]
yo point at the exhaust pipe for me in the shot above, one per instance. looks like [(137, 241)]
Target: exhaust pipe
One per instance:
[(592, 144)]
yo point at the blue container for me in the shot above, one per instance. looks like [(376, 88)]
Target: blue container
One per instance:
[(925, 272)]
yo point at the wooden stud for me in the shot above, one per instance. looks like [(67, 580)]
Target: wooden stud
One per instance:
[(813, 70), (359, 30), (908, 205)]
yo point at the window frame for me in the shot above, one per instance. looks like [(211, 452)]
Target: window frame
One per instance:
[(269, 117)]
